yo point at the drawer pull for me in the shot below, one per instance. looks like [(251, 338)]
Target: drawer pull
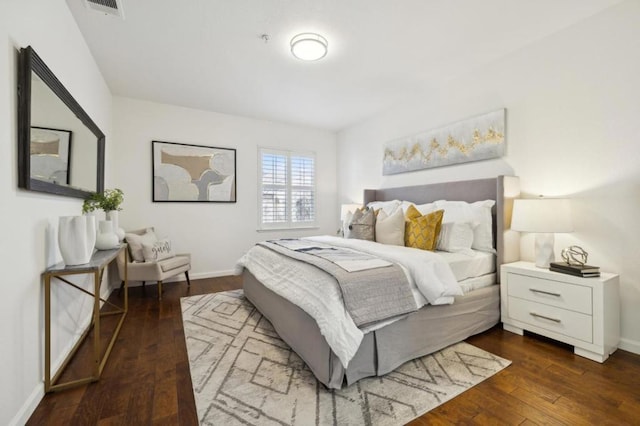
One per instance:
[(545, 292), (533, 314)]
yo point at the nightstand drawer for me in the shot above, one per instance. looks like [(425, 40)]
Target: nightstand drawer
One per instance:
[(568, 323), (562, 295)]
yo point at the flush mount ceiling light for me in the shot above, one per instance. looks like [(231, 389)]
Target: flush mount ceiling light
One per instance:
[(309, 46)]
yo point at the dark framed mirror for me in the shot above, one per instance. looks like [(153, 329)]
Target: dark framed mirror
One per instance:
[(60, 149)]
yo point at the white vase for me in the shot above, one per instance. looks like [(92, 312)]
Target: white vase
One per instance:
[(76, 238), (114, 217), (107, 238)]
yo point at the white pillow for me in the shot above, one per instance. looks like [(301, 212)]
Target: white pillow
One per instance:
[(478, 214), (387, 206), (456, 237), (157, 251), (390, 228), (422, 208), (456, 211), (135, 242), (483, 231)]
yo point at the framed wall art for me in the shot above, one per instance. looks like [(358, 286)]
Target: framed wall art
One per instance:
[(193, 173), (50, 152), (477, 138)]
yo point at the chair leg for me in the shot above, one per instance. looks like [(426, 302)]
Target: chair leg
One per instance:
[(159, 290), (143, 283), (186, 274), (121, 287)]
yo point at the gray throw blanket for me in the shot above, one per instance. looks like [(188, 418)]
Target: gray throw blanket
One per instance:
[(369, 295)]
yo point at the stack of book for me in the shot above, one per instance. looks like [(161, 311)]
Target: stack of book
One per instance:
[(577, 270)]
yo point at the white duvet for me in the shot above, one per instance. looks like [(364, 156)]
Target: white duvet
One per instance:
[(318, 294)]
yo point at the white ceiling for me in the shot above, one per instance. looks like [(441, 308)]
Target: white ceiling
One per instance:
[(208, 54)]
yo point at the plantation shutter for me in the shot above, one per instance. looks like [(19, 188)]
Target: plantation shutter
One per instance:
[(287, 189)]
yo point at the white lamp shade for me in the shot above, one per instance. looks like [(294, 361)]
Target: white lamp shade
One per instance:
[(309, 46), (548, 215), (346, 209)]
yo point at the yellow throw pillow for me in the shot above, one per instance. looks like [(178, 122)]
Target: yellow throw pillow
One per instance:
[(422, 231)]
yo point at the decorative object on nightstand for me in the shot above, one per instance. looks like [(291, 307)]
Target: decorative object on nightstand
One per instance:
[(575, 263), (585, 271), (583, 312), (545, 216), (574, 255)]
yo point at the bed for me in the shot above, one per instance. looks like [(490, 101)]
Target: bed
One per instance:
[(424, 331)]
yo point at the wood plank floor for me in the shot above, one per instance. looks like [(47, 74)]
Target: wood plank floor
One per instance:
[(146, 380)]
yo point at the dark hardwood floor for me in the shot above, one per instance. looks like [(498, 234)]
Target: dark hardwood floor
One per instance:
[(146, 380)]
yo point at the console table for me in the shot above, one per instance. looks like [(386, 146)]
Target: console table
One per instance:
[(96, 266)]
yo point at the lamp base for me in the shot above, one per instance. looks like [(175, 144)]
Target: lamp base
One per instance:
[(544, 249)]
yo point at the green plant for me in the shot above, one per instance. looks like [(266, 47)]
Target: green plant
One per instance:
[(92, 203), (108, 200)]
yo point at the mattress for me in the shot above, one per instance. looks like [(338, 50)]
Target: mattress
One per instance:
[(464, 266), (476, 283)]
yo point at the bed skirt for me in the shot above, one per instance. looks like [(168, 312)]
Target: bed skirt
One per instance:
[(381, 351)]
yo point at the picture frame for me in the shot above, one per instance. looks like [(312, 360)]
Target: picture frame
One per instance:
[(193, 173), (482, 137), (50, 155)]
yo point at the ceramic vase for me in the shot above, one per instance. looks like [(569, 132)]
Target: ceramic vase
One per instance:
[(107, 238), (114, 217), (76, 238)]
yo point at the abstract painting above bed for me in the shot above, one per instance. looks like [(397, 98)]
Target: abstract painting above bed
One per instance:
[(477, 138)]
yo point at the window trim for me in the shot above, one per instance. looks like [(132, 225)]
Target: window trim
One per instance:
[(289, 224)]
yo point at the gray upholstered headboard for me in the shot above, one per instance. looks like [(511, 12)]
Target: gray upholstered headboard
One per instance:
[(502, 189)]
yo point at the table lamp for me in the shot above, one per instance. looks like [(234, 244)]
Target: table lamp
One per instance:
[(545, 216)]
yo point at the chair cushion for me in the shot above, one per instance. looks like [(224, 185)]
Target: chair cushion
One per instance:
[(157, 251), (136, 240), (173, 263)]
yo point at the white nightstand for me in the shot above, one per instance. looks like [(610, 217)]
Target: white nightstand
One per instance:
[(583, 312)]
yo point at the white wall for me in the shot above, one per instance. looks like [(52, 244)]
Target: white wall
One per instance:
[(216, 234), (573, 129), (28, 242)]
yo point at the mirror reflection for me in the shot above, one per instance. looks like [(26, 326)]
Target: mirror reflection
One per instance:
[(63, 150)]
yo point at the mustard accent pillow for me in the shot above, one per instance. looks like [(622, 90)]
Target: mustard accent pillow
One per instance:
[(414, 213), (422, 231)]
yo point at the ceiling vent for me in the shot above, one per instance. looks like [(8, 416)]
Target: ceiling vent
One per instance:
[(108, 7)]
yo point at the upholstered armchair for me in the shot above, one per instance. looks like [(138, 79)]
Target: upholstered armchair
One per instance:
[(143, 245)]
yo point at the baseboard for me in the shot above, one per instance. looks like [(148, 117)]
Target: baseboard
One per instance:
[(29, 406), (180, 277), (212, 274), (630, 345)]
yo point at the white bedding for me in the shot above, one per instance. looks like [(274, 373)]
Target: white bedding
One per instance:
[(313, 290), (318, 293), (475, 283), (464, 266)]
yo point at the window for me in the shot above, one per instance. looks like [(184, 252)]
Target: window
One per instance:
[(287, 182)]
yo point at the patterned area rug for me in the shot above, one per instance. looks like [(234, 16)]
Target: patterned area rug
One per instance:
[(243, 374)]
